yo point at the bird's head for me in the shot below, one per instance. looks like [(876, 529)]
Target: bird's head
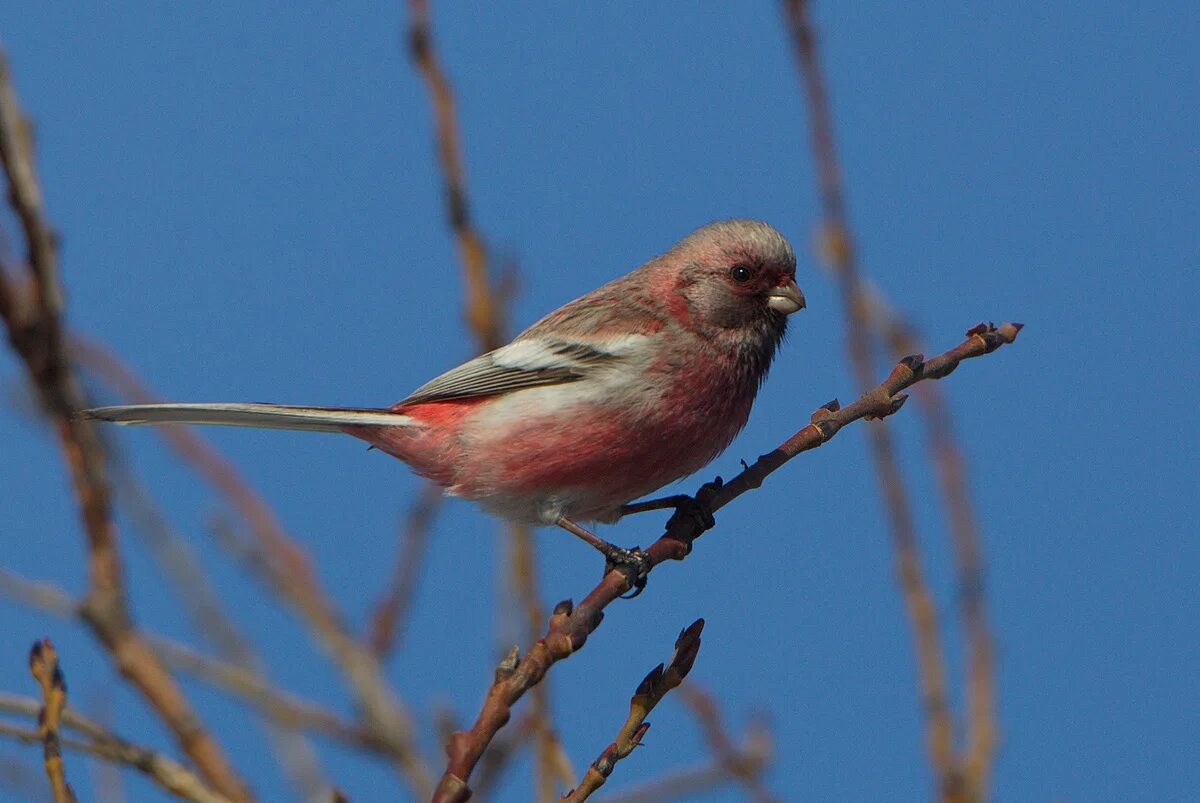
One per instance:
[(737, 274)]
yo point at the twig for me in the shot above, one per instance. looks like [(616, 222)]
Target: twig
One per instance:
[(570, 625), (838, 247), (487, 319), (391, 612), (501, 752), (35, 333), (649, 694), (952, 474), (484, 312), (746, 766), (166, 772), (283, 708), (43, 664)]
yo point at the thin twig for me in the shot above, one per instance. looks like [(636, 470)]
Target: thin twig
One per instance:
[(746, 766), (649, 694), (838, 248), (166, 772), (391, 612), (485, 315), (43, 664), (570, 625), (285, 709), (953, 477), (35, 333)]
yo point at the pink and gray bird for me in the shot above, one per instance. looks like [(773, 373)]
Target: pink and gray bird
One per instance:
[(637, 384)]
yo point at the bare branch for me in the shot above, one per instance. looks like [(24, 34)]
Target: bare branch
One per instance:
[(838, 248), (166, 772), (485, 314), (744, 765), (648, 695), (36, 335), (391, 612), (570, 625), (951, 468), (43, 664)]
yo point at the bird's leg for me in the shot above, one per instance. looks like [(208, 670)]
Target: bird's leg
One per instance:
[(695, 507), (633, 562)]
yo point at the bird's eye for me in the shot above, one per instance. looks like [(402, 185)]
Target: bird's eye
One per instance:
[(740, 274)]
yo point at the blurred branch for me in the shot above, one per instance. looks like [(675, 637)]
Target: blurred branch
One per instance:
[(283, 708), (837, 246), (43, 664), (649, 694), (391, 612), (485, 314), (187, 581), (34, 326), (952, 473), (165, 772), (487, 319), (287, 569), (570, 625), (744, 765)]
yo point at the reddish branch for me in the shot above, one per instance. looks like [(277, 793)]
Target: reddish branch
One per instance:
[(43, 664), (570, 625), (650, 693), (32, 316)]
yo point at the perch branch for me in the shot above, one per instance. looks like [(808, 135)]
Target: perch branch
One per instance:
[(570, 625), (650, 693)]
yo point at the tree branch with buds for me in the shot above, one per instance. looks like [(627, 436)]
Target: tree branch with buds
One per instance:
[(570, 625), (650, 693)]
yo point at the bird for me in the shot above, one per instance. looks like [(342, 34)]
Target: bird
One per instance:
[(639, 383)]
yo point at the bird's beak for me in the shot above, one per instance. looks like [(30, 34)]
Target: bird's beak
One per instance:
[(786, 298)]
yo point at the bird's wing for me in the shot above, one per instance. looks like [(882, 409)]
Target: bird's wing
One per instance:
[(528, 362)]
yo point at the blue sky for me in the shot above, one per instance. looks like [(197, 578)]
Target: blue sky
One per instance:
[(250, 210)]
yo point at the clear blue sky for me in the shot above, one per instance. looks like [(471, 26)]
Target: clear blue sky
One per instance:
[(249, 210)]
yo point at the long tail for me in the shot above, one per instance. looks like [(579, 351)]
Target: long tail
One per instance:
[(264, 416)]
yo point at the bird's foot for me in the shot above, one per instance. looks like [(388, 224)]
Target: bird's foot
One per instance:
[(633, 563)]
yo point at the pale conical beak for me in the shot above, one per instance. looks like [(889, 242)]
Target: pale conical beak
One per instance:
[(786, 298)]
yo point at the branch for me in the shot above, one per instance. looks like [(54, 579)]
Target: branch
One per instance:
[(838, 247), (570, 625), (744, 765), (43, 664), (391, 612), (650, 693), (165, 772), (951, 467), (485, 313), (283, 708), (35, 333)]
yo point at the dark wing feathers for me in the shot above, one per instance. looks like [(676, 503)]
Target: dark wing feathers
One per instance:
[(526, 363)]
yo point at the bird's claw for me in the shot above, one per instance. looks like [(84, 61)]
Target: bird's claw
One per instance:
[(633, 563), (697, 509)]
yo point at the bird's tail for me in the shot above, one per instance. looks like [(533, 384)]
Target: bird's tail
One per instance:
[(263, 416)]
